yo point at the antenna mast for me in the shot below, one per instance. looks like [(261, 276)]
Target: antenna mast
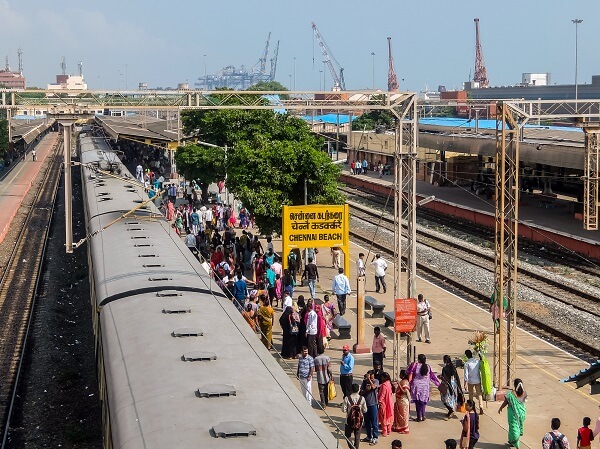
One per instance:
[(80, 68), (480, 71), (63, 66), (392, 78), (6, 65), (20, 55)]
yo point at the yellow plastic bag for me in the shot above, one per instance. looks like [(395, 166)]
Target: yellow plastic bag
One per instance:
[(331, 391)]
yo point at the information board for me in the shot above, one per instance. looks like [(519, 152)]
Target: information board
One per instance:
[(405, 314)]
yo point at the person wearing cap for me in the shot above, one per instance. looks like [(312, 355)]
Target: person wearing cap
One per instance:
[(380, 267), (346, 368), (341, 288)]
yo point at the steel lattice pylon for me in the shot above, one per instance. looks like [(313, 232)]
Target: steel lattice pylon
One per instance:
[(405, 168), (590, 177), (505, 268)]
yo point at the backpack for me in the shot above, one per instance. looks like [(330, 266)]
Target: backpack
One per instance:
[(221, 270), (355, 416), (557, 442), (292, 260)]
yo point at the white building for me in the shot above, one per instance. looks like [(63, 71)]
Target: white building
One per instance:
[(535, 79), (68, 82)]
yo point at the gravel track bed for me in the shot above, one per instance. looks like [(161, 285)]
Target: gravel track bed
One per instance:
[(565, 273), (567, 319)]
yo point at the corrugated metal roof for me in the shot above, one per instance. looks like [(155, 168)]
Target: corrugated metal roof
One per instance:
[(585, 376)]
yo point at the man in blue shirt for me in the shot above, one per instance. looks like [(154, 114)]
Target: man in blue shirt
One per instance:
[(369, 390), (341, 288), (239, 291), (346, 368)]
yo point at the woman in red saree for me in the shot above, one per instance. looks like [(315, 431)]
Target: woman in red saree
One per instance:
[(402, 405), (386, 405)]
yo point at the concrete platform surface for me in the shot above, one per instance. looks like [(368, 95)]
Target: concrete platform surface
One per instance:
[(539, 364), (18, 182)]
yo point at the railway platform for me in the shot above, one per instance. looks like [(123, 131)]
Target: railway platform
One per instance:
[(17, 183), (540, 364), (553, 222)]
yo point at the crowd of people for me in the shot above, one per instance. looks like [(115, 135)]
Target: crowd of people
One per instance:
[(362, 168), (253, 278)]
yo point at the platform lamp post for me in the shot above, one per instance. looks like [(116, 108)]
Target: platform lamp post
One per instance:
[(576, 22)]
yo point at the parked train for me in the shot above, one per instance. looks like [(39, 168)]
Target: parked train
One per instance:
[(178, 366)]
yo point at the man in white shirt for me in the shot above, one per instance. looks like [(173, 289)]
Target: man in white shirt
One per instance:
[(473, 378), (311, 329), (287, 300), (277, 267), (360, 265), (341, 288), (380, 267)]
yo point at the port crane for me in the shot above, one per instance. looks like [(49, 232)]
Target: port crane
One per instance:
[(392, 78), (338, 79), (480, 70)]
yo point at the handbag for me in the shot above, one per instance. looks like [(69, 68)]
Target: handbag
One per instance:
[(430, 315), (294, 327), (331, 393)]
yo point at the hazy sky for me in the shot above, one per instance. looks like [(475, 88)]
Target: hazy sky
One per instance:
[(164, 43)]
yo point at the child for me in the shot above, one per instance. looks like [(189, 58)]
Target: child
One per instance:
[(585, 435)]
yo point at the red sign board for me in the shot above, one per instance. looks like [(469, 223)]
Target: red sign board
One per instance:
[(405, 314)]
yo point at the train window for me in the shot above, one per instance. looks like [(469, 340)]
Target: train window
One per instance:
[(216, 390), (228, 429), (169, 311)]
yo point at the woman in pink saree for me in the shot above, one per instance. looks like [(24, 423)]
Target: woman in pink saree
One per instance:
[(402, 405), (386, 405)]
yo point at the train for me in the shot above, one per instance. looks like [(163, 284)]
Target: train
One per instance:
[(178, 366)]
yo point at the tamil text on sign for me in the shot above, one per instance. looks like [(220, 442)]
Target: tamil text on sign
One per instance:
[(405, 314), (315, 226)]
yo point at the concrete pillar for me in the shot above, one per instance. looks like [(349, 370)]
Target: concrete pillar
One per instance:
[(360, 347), (67, 128)]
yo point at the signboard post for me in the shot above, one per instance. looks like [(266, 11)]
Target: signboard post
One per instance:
[(316, 226), (405, 321)]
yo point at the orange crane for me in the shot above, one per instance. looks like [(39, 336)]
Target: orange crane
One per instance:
[(480, 71), (392, 78)]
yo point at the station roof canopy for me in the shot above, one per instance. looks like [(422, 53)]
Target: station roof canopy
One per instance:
[(587, 376), (28, 130), (139, 127)]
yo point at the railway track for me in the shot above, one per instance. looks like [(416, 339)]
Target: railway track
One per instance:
[(20, 280), (550, 287), (549, 333), (566, 258)]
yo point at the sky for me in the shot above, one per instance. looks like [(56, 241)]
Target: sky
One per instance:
[(122, 43)]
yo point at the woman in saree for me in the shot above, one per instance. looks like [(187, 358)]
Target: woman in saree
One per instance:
[(402, 405), (420, 375), (450, 388), (266, 317), (250, 316), (515, 400), (386, 405), (290, 329), (328, 310)]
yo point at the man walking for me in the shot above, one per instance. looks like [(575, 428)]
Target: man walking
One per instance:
[(554, 436), (354, 407), (360, 265), (378, 346), (324, 375), (312, 328), (341, 288), (423, 310), (369, 390), (380, 267), (311, 273), (473, 378), (346, 368), (306, 368)]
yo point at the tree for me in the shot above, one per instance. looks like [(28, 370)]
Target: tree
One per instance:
[(203, 164), (371, 120), (269, 157), (268, 86)]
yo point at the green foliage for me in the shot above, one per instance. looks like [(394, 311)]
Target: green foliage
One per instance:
[(371, 120), (204, 164), (268, 86), (269, 157)]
